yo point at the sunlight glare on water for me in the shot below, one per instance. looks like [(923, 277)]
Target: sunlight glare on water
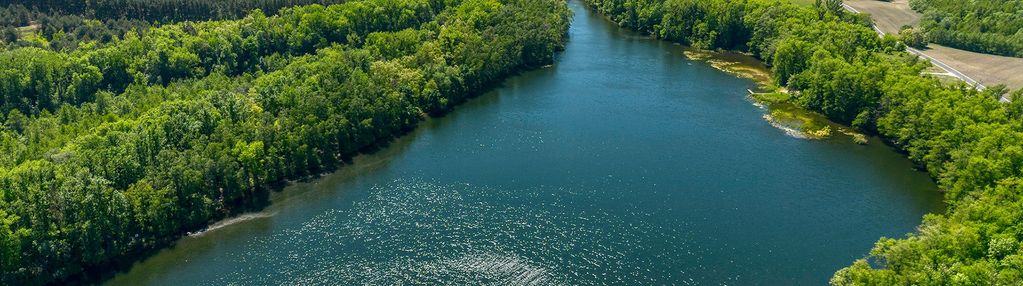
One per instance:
[(415, 230)]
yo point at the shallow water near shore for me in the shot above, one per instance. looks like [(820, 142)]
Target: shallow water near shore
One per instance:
[(623, 163)]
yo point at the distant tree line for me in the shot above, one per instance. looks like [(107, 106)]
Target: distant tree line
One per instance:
[(34, 80), (108, 152), (833, 63), (164, 11), (60, 31), (986, 26), (63, 25)]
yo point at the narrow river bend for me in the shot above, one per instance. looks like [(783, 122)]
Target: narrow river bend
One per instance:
[(624, 163)]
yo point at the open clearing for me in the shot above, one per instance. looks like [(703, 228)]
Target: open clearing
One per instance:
[(888, 16), (987, 69), (29, 30)]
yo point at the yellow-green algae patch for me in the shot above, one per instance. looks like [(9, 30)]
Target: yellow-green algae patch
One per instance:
[(738, 64), (776, 101), (798, 122)]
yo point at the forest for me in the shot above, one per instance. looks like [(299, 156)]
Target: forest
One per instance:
[(110, 151), (62, 25), (23, 27), (985, 26), (833, 63), (163, 11)]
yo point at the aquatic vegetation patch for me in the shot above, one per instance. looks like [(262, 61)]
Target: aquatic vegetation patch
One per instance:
[(737, 64), (797, 122), (771, 97), (781, 112)]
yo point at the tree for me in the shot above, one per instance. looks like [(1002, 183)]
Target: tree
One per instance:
[(10, 242), (8, 34), (829, 7), (913, 37)]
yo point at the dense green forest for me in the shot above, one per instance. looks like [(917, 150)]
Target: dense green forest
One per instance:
[(113, 150), (835, 64), (986, 26), (63, 26), (164, 11), (24, 27)]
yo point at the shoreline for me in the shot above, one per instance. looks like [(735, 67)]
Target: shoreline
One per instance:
[(776, 102)]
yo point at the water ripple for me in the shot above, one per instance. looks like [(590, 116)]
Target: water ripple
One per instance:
[(413, 231)]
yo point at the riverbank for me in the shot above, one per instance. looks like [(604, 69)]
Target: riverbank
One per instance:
[(779, 110)]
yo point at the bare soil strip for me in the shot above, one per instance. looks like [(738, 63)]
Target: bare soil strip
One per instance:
[(888, 16), (985, 69)]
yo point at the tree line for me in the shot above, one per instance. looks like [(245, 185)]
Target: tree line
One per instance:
[(132, 144), (163, 11), (34, 80), (835, 64), (63, 25), (24, 27), (986, 26)]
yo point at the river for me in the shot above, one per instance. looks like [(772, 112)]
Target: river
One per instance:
[(624, 163)]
